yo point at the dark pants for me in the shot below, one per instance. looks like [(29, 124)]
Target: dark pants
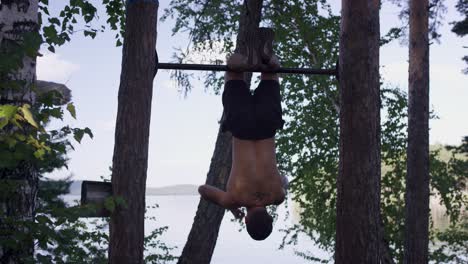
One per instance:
[(252, 116)]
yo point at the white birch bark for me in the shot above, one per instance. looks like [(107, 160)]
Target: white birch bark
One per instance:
[(17, 18)]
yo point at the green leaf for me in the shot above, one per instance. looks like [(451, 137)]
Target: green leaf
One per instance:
[(109, 204), (92, 34), (28, 115), (46, 11), (6, 159), (50, 32), (78, 134), (42, 219), (3, 122), (39, 153), (22, 152), (72, 110), (15, 121), (54, 20), (88, 131), (20, 137), (120, 201), (8, 111), (31, 43), (56, 112), (11, 142)]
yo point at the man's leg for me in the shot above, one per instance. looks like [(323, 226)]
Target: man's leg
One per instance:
[(238, 102), (267, 99), (236, 60), (268, 76)]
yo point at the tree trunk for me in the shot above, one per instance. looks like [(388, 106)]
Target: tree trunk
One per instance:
[(358, 233), (18, 18), (417, 178), (202, 237), (130, 159)]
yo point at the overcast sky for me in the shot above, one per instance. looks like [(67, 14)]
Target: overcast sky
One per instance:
[(183, 130)]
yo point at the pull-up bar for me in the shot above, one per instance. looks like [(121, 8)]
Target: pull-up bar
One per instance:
[(213, 67)]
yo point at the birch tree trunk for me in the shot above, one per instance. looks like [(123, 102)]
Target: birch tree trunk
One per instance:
[(130, 161), (18, 20), (358, 233), (203, 235), (417, 178)]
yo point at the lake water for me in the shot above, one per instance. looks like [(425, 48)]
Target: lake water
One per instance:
[(233, 247)]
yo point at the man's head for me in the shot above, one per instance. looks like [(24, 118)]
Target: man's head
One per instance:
[(259, 223)]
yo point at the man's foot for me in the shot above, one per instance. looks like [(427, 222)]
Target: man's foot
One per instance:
[(267, 37), (268, 70), (237, 62), (274, 63)]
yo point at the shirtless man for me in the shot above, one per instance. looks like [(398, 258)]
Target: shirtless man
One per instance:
[(253, 119)]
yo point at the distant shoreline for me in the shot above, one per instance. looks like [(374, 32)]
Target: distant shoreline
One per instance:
[(179, 190)]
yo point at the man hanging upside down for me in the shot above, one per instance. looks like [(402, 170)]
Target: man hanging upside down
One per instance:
[(253, 119)]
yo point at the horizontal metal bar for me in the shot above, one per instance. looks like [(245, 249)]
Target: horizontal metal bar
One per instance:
[(212, 67)]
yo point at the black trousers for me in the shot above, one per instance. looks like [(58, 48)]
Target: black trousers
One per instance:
[(252, 116)]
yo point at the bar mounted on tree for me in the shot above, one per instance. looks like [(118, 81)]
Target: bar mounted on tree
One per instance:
[(214, 67), (258, 56)]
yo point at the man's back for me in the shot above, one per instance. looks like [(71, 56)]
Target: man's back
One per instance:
[(255, 179)]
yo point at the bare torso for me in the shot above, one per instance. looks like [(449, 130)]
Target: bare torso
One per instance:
[(254, 179)]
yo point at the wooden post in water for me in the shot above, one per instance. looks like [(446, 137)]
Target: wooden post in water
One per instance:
[(95, 193)]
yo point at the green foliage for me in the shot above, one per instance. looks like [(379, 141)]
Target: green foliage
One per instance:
[(452, 244), (59, 29), (437, 10), (24, 137), (11, 59), (157, 252), (393, 147), (452, 177), (461, 27), (208, 23), (462, 149), (116, 11), (307, 35), (56, 232), (62, 237), (25, 142)]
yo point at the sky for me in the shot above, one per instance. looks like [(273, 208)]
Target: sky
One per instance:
[(183, 129)]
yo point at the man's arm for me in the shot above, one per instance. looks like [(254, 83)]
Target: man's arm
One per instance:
[(215, 195), (220, 198), (238, 213), (284, 185)]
